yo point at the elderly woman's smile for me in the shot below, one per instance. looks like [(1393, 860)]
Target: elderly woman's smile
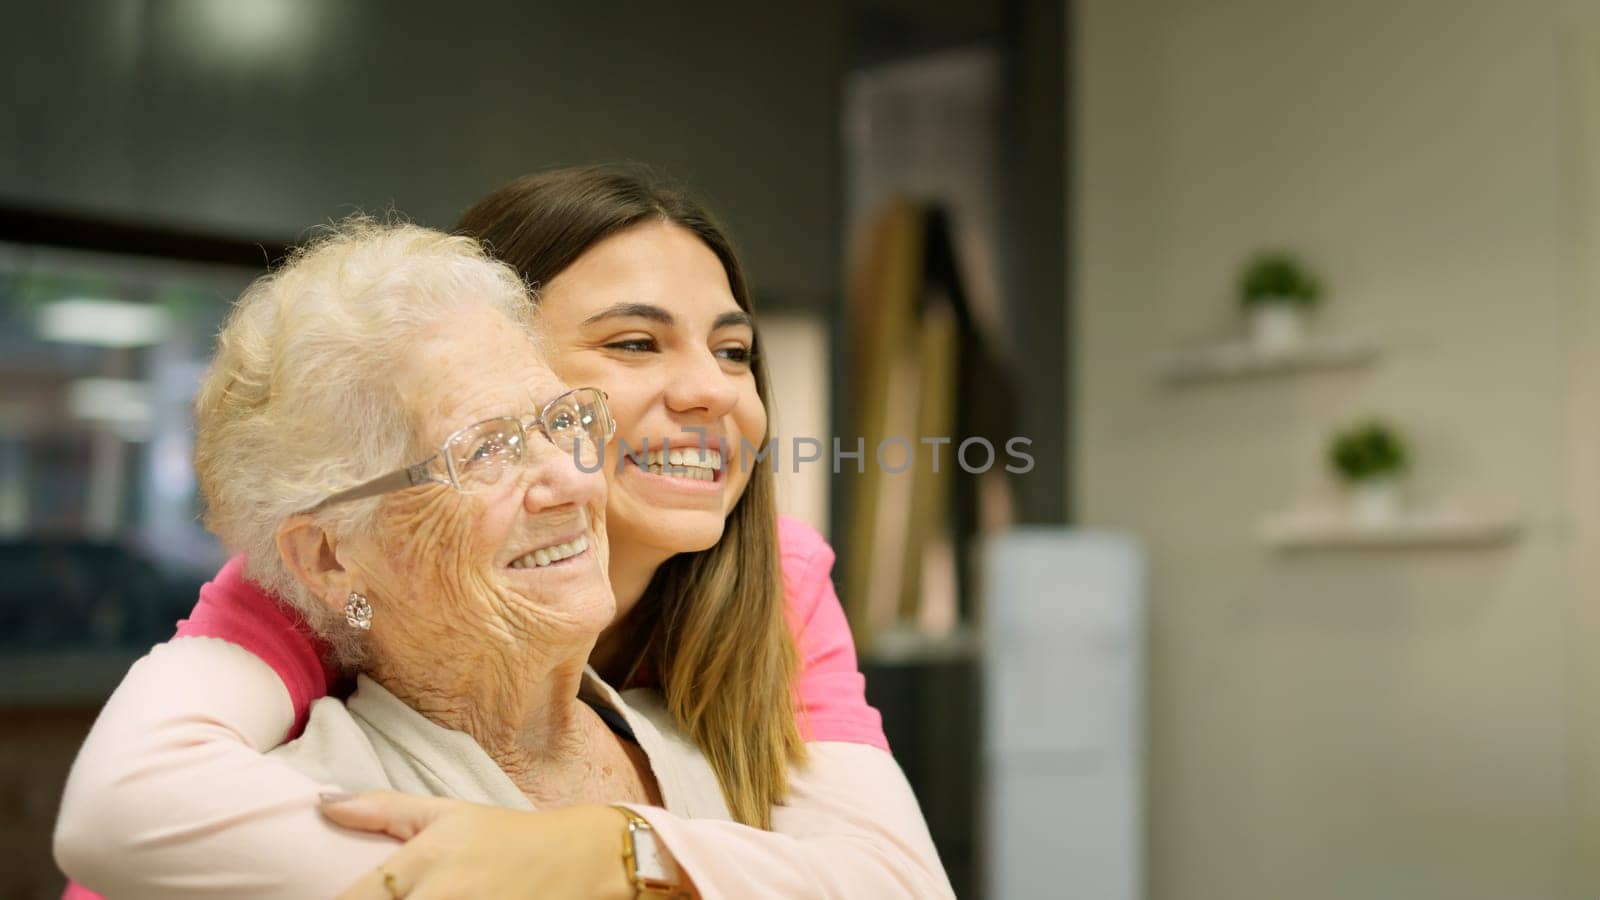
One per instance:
[(555, 553)]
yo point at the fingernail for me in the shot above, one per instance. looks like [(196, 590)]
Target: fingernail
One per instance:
[(336, 796)]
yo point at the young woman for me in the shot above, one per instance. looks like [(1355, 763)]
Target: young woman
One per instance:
[(723, 606)]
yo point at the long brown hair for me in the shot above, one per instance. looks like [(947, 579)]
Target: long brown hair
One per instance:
[(711, 624)]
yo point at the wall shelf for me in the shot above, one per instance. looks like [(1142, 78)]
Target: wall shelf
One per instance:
[(1241, 359), (1334, 531)]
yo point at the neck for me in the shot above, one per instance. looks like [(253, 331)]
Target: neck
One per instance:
[(520, 705), (631, 569)]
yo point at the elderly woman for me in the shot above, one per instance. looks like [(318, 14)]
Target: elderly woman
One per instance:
[(380, 434)]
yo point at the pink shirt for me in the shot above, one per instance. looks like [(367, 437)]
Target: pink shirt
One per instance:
[(831, 690)]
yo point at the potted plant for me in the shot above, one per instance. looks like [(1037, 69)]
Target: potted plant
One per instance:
[(1370, 458), (1277, 293)]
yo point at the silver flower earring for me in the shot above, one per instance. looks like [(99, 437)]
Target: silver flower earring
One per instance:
[(358, 612)]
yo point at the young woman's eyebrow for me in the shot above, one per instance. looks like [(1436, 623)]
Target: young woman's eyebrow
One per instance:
[(733, 318), (632, 311)]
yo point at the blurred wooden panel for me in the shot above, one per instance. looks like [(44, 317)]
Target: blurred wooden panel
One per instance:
[(37, 747)]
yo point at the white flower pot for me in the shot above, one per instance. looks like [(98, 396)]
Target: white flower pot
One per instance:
[(1375, 501), (1277, 326)]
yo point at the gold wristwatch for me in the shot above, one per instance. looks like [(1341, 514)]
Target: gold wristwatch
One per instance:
[(650, 866)]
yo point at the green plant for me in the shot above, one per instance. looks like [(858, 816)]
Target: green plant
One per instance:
[(1278, 278), (1367, 451)]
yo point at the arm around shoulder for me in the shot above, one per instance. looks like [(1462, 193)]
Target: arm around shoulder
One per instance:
[(171, 797)]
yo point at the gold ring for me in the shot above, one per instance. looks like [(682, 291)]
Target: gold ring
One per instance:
[(389, 884)]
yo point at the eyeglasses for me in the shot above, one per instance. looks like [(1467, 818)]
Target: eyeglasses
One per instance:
[(479, 455)]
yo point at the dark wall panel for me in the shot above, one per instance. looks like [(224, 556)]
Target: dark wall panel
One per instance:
[(258, 119)]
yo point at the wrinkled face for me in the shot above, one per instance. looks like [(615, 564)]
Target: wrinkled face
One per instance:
[(450, 570), (648, 315)]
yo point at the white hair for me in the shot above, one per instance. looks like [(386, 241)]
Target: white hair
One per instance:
[(300, 399)]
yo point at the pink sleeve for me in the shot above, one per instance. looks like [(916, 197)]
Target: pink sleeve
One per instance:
[(239, 611), (832, 691), (171, 797), (850, 829)]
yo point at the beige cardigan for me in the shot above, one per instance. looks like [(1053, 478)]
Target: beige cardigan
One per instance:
[(374, 741)]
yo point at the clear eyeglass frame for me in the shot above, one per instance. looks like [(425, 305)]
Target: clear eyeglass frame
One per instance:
[(473, 458)]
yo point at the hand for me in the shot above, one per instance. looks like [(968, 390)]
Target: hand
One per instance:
[(459, 849)]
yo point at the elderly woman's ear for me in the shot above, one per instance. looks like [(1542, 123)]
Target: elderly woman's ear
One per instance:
[(319, 560)]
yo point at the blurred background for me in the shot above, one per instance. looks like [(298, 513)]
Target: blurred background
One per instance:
[(1292, 304)]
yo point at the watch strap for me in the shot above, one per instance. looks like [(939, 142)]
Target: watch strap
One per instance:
[(640, 844)]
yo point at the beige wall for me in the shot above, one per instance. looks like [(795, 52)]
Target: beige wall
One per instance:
[(1405, 724)]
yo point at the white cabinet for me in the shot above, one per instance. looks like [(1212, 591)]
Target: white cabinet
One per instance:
[(1064, 709)]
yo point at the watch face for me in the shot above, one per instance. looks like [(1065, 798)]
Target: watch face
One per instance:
[(651, 860)]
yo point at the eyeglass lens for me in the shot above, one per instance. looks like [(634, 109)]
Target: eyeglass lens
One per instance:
[(480, 455)]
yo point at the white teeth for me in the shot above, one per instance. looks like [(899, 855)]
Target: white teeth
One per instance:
[(695, 463), (544, 556)]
